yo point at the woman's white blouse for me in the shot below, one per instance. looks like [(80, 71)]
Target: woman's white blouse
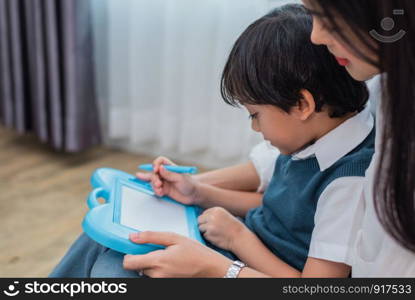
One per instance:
[(264, 156), (375, 252)]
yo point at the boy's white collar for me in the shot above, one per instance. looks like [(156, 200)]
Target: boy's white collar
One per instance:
[(340, 141)]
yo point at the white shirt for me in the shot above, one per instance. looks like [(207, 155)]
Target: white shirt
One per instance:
[(375, 252), (336, 208), (264, 156)]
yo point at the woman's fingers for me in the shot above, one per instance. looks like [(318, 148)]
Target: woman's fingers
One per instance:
[(140, 262), (156, 237), (148, 261)]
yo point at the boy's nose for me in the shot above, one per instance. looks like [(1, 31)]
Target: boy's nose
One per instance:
[(255, 127)]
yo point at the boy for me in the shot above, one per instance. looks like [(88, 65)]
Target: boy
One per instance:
[(307, 106)]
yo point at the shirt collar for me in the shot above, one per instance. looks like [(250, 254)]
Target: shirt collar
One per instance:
[(339, 141)]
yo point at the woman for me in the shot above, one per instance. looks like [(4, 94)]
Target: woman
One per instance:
[(385, 230), (385, 240)]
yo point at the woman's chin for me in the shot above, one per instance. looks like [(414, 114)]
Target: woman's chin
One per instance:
[(361, 75)]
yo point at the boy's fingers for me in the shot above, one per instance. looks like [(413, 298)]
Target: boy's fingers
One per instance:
[(161, 161), (203, 218), (203, 228), (170, 176), (159, 192), (143, 176), (155, 180)]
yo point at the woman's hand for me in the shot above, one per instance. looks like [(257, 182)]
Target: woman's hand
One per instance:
[(220, 227), (182, 257), (180, 187)]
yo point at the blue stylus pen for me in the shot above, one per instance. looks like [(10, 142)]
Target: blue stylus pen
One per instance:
[(176, 169)]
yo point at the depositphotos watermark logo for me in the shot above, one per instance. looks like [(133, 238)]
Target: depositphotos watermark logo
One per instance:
[(387, 24), (11, 290), (70, 289)]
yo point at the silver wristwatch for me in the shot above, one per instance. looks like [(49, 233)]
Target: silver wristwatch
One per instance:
[(234, 269)]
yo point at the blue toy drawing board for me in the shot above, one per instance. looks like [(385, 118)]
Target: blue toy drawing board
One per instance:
[(130, 206)]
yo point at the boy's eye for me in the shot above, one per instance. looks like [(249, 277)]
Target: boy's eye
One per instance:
[(253, 116)]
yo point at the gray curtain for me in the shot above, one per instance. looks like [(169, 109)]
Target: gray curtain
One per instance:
[(46, 71)]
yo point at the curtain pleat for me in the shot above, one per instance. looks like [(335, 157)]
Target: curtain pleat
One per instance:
[(6, 67), (47, 79)]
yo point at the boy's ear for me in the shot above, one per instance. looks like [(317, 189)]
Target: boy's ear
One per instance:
[(305, 106)]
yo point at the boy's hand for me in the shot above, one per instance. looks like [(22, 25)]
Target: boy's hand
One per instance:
[(180, 187), (220, 227)]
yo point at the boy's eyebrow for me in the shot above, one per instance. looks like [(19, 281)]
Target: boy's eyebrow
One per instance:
[(246, 105), (249, 111)]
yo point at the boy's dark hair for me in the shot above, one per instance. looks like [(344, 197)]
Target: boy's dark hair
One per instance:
[(274, 59)]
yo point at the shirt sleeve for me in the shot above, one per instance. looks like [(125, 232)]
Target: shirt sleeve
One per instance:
[(333, 235), (264, 156)]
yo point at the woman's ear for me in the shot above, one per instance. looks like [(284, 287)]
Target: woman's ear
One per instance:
[(305, 106)]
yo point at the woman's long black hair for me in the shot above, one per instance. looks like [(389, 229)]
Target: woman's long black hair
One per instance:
[(394, 189)]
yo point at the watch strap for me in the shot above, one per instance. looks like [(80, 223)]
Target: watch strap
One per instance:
[(234, 269)]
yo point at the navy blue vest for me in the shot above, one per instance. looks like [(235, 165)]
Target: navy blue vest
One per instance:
[(285, 220)]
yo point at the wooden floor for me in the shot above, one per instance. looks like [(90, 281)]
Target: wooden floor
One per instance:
[(42, 200)]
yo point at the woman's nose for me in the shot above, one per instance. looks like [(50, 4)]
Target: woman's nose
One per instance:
[(319, 35)]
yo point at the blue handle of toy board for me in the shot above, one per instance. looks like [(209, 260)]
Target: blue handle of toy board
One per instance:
[(94, 195)]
